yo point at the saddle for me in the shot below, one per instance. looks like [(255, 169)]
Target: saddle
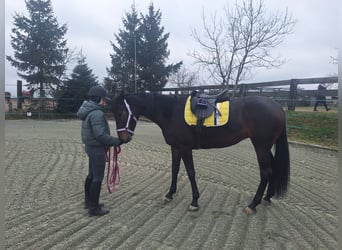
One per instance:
[(203, 105)]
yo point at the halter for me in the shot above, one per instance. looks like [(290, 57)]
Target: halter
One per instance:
[(129, 118)]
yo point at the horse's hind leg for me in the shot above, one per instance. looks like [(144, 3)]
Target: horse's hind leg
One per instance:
[(265, 160), (270, 188), (176, 157), (270, 192)]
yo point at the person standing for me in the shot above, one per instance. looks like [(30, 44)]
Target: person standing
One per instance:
[(321, 97), (96, 136)]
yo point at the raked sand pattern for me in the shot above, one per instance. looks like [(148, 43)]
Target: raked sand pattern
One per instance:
[(46, 166)]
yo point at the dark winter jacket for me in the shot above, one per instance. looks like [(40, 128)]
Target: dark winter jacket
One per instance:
[(95, 128)]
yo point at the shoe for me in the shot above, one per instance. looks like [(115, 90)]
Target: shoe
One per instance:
[(97, 211), (315, 110), (328, 109), (87, 205)]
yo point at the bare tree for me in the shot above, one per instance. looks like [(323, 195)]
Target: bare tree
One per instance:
[(240, 40), (334, 60), (183, 77)]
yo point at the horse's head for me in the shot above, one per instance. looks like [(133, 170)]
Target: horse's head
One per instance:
[(125, 117)]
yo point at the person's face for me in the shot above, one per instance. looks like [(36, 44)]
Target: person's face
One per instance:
[(102, 102)]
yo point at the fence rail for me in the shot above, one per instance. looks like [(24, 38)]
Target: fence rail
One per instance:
[(288, 89)]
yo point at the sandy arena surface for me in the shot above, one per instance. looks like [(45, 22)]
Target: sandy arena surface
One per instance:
[(46, 166)]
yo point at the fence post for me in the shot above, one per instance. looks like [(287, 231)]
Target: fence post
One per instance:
[(243, 89), (19, 94), (292, 95)]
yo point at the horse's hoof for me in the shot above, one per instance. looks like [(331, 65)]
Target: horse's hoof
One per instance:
[(193, 208), (167, 200), (266, 202), (249, 210)]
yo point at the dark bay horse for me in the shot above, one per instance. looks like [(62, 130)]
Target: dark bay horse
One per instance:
[(259, 118)]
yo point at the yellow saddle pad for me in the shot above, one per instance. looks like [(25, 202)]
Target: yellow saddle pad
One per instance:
[(212, 121)]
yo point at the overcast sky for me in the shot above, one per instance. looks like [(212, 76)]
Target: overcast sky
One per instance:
[(92, 25)]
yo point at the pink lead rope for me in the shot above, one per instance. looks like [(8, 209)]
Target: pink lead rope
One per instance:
[(113, 175)]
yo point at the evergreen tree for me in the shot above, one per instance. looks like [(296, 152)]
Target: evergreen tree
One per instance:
[(154, 52), (123, 72), (140, 54), (110, 86), (40, 49), (72, 93)]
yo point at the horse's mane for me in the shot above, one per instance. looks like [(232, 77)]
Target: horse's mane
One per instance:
[(154, 101)]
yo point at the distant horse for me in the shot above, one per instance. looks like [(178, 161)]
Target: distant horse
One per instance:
[(259, 118)]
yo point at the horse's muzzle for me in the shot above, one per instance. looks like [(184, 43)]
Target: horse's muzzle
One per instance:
[(125, 136)]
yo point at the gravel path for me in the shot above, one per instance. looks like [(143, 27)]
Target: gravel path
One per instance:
[(46, 166)]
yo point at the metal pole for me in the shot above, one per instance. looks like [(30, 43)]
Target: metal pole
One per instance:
[(135, 57), (135, 63)]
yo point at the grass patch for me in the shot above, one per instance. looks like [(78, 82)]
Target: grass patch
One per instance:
[(313, 127)]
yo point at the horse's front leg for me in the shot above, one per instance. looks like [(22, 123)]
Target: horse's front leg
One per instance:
[(190, 169), (176, 157)]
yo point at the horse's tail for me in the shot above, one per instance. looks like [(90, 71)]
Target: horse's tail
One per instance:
[(281, 169)]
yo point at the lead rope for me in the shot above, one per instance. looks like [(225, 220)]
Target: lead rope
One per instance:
[(113, 175)]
